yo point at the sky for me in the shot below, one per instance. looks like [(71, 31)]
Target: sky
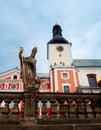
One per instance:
[(29, 23)]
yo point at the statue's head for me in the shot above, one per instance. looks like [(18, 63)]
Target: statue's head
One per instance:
[(34, 51)]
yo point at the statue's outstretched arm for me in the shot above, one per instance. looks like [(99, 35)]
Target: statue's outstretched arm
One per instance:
[(22, 60), (20, 55)]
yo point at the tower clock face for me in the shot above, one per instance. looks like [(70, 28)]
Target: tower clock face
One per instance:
[(60, 48)]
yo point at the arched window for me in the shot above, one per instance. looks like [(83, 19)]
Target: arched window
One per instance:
[(15, 77), (92, 80)]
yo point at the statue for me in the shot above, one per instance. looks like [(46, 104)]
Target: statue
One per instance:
[(28, 70)]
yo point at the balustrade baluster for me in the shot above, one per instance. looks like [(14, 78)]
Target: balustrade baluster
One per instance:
[(14, 112), (66, 108), (44, 109), (71, 109), (39, 106), (80, 108), (48, 105), (21, 108), (89, 111), (84, 106), (54, 110), (96, 108), (63, 108), (57, 109), (5, 110)]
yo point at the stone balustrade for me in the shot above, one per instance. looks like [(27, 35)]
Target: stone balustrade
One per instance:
[(10, 106), (70, 105), (39, 107)]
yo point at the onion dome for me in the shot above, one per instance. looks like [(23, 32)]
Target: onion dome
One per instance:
[(57, 35)]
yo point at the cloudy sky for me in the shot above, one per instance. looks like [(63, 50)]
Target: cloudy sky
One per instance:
[(29, 23)]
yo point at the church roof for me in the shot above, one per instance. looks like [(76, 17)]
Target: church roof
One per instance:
[(76, 63), (43, 75), (87, 62), (11, 70)]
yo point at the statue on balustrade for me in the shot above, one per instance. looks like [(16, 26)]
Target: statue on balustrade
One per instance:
[(28, 70)]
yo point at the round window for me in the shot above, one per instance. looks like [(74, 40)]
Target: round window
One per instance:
[(43, 87), (13, 87)]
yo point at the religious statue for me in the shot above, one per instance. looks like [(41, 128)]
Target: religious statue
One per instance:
[(28, 70)]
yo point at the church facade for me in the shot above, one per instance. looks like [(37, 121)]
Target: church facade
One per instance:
[(65, 73)]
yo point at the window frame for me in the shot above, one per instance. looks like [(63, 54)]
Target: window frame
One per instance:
[(13, 87), (15, 77), (63, 76), (94, 77), (66, 84), (45, 87)]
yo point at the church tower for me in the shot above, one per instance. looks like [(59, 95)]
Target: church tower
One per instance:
[(63, 76), (59, 52)]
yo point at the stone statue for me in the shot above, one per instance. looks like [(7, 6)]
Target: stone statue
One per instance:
[(28, 70)]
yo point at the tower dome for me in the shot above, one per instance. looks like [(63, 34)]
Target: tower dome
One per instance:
[(57, 30), (57, 35)]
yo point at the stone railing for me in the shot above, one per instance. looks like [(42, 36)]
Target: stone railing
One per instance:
[(10, 106), (69, 106), (47, 106), (86, 89)]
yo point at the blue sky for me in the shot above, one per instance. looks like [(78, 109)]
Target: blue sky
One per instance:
[(29, 23)]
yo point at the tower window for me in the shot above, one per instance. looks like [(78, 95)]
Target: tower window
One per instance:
[(92, 80), (15, 77), (60, 62), (59, 55), (65, 75), (66, 87)]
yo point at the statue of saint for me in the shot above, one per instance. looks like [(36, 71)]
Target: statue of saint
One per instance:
[(28, 70)]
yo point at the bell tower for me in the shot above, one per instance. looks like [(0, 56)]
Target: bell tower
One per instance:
[(63, 76), (59, 49)]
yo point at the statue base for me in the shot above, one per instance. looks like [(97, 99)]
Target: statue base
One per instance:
[(30, 96), (28, 122)]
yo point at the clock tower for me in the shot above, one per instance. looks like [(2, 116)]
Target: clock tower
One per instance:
[(63, 76), (59, 49)]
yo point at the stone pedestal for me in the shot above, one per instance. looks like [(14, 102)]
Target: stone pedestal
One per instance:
[(30, 107)]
